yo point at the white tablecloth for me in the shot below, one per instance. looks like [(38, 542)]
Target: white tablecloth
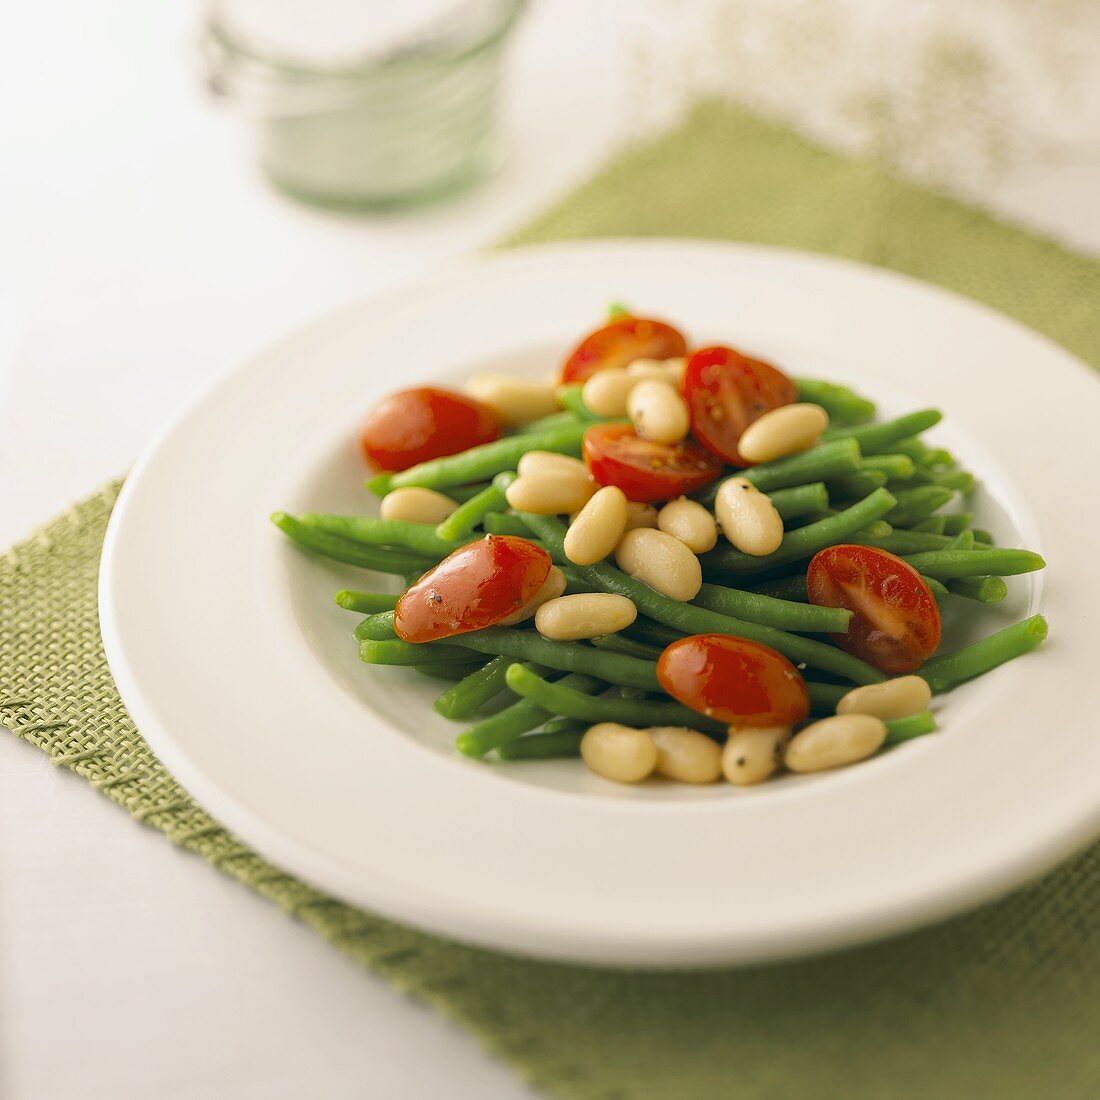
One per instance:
[(141, 257)]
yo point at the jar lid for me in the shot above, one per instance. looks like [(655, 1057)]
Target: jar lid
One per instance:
[(335, 36), (293, 57)]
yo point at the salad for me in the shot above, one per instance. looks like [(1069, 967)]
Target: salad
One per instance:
[(669, 561)]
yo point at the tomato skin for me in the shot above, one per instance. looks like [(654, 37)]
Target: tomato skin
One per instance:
[(619, 343), (477, 586), (416, 425), (896, 621), (725, 392), (734, 680), (646, 471)]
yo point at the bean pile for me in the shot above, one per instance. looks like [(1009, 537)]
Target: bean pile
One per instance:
[(635, 565)]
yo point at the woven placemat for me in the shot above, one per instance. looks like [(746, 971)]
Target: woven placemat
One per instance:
[(1006, 1000)]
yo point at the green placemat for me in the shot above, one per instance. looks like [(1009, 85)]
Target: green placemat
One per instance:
[(1006, 1000)]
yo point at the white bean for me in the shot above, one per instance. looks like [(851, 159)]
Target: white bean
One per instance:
[(605, 393), (783, 431), (658, 412), (753, 755), (897, 698), (688, 521), (552, 587), (584, 615), (619, 753), (515, 400), (415, 505), (747, 517), (661, 561), (834, 742), (670, 370), (550, 493), (550, 462), (685, 755), (640, 515), (597, 528)]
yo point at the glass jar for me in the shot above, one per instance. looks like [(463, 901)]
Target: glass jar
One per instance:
[(360, 104)]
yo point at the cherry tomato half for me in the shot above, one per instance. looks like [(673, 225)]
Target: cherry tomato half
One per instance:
[(621, 342), (476, 586), (734, 680), (895, 623), (413, 426), (644, 470), (726, 391)]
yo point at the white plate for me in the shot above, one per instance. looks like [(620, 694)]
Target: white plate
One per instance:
[(242, 675)]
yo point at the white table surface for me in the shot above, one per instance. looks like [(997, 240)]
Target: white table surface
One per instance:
[(141, 257)]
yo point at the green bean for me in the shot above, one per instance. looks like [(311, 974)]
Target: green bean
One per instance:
[(962, 481), (791, 588), (754, 607), (616, 643), (352, 553), (824, 698), (907, 542), (920, 476), (805, 541), (462, 493), (370, 603), (880, 438), (983, 589), (794, 588), (916, 504), (526, 645), (698, 620), (481, 685), (947, 565), (937, 457), (648, 632), (482, 461), (557, 725), (905, 729), (543, 746), (574, 582), (913, 447), (950, 669), (857, 485), (466, 517), (418, 537), (514, 721), (892, 465), (550, 423), (828, 460), (800, 500), (964, 540), (982, 535), (559, 699), (396, 652), (843, 405), (932, 525), (937, 588), (504, 523), (570, 397), (441, 671), (957, 522), (376, 628)]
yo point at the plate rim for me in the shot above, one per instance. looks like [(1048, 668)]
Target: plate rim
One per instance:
[(274, 846)]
